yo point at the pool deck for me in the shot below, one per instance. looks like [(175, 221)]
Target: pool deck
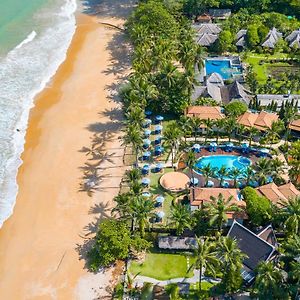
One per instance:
[(205, 152)]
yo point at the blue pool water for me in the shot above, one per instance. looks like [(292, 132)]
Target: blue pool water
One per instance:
[(223, 67), (229, 161)]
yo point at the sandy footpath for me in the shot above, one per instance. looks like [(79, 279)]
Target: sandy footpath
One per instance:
[(71, 171)]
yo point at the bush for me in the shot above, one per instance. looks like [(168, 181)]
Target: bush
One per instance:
[(258, 208)]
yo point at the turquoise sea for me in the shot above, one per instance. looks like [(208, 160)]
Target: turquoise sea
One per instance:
[(34, 38)]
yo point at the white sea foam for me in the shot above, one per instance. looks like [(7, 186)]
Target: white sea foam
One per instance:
[(29, 39), (24, 72)]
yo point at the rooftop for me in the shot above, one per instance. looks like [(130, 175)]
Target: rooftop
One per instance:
[(261, 121), (205, 112), (272, 38), (254, 246), (178, 243), (278, 193), (219, 13), (294, 39), (241, 38), (295, 125), (266, 99)]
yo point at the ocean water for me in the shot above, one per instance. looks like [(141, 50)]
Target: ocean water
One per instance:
[(34, 38)]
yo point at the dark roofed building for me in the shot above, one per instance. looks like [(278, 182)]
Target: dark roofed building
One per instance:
[(177, 243), (255, 247), (206, 34), (272, 38), (294, 39), (268, 235), (218, 13), (241, 38), (280, 99), (238, 92)]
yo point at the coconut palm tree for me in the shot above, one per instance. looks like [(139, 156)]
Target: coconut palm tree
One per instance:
[(235, 173), (122, 205), (231, 258), (172, 135), (209, 126), (219, 124), (292, 247), (133, 137), (252, 132), (136, 188), (191, 162), (222, 173), (142, 209), (291, 215), (135, 115), (133, 175), (262, 170), (186, 126), (230, 127), (241, 130), (249, 174), (180, 218), (269, 282), (206, 258), (273, 133), (218, 208), (195, 125), (207, 171)]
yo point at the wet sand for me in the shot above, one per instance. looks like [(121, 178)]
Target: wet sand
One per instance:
[(64, 187)]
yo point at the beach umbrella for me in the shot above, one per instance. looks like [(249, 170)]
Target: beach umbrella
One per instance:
[(145, 181), (196, 147), (229, 144), (159, 118), (157, 140), (158, 167), (148, 113), (160, 199), (194, 181), (145, 169), (158, 129), (158, 150), (160, 214), (147, 132), (146, 194), (146, 143), (146, 155), (210, 183), (147, 122), (225, 184), (213, 144), (245, 145), (264, 150)]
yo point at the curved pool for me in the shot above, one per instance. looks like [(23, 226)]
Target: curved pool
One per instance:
[(229, 161)]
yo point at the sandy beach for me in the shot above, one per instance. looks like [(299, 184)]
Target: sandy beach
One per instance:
[(72, 168)]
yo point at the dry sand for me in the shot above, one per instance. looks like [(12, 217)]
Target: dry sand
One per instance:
[(42, 244)]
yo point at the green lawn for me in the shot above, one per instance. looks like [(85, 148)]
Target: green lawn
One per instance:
[(162, 266)]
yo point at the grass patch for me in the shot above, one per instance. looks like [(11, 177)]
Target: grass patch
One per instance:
[(162, 266)]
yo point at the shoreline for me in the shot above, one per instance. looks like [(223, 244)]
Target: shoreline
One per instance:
[(42, 245)]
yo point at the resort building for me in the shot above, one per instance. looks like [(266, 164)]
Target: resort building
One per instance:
[(216, 89), (257, 247), (272, 38), (205, 18), (177, 243), (205, 112), (294, 39), (219, 14), (241, 38), (267, 99), (198, 196), (262, 121), (278, 193), (206, 34), (295, 128)]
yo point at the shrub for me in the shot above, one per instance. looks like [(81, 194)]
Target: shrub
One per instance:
[(258, 208), (235, 108)]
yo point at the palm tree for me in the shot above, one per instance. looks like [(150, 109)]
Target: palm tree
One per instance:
[(142, 209), (135, 115), (136, 188), (220, 124), (252, 132), (222, 173), (122, 205), (273, 133), (195, 124), (230, 127), (205, 258), (133, 137), (292, 247), (181, 218), (263, 170), (235, 173), (269, 282), (186, 126), (218, 208), (133, 175), (172, 135), (207, 171), (209, 125), (290, 114), (291, 215), (249, 174), (241, 130), (191, 162), (231, 257)]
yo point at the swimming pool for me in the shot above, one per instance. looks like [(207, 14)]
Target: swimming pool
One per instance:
[(223, 67), (229, 161)]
